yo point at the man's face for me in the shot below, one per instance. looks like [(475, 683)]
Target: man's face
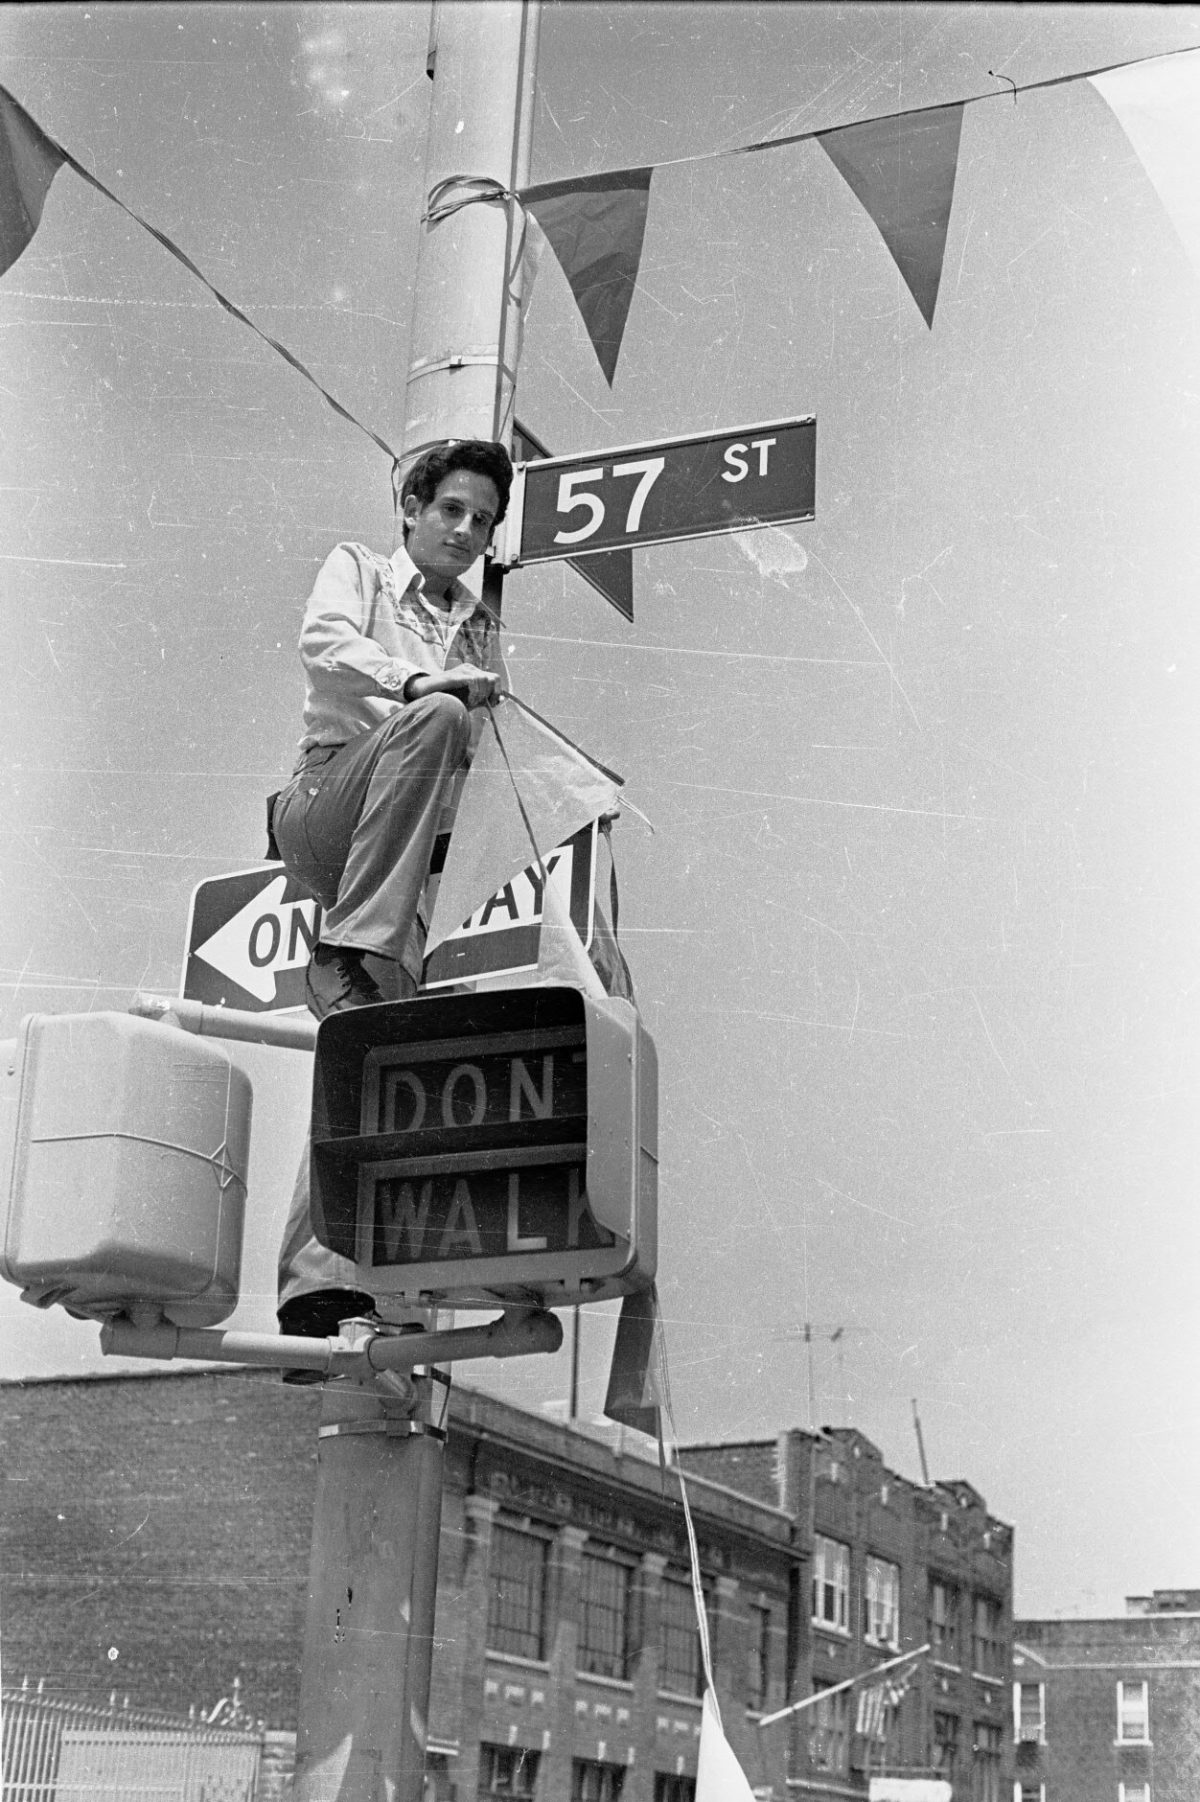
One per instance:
[(445, 537)]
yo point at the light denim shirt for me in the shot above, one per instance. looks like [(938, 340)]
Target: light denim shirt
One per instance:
[(368, 628)]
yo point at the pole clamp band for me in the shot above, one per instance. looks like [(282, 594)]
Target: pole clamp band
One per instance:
[(391, 1429)]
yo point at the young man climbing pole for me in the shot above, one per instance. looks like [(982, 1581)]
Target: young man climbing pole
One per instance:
[(399, 661)]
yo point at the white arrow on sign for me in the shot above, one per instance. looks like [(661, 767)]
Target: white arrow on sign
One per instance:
[(262, 939)]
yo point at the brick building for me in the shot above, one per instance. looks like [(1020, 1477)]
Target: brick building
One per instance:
[(894, 1567), (154, 1539), (155, 1536), (1109, 1710)]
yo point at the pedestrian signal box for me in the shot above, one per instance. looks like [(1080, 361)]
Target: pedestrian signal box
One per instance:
[(124, 1147), (500, 1146)]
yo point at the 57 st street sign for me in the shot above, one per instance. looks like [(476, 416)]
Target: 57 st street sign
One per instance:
[(677, 488)]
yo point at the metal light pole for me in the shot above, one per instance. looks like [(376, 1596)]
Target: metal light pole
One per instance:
[(466, 311), (368, 1640)]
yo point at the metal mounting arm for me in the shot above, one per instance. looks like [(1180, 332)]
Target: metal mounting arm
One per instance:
[(362, 1351)]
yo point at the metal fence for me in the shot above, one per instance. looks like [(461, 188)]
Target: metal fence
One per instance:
[(55, 1750)]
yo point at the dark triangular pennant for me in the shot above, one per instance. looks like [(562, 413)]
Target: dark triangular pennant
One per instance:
[(29, 161), (635, 1396), (595, 225), (609, 572), (903, 170)]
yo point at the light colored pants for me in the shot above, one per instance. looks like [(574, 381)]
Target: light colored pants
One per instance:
[(357, 822), (356, 825)]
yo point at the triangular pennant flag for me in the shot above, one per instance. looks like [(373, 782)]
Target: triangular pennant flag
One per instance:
[(609, 572), (1158, 106), (903, 170), (29, 161), (522, 764), (719, 1776), (561, 956), (595, 225), (635, 1397)]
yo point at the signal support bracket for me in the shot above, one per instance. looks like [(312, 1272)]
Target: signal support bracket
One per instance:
[(361, 1351)]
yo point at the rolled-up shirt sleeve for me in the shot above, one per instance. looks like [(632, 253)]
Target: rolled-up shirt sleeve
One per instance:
[(336, 646)]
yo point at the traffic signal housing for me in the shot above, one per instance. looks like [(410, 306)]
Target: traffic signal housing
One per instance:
[(491, 1147), (124, 1148)]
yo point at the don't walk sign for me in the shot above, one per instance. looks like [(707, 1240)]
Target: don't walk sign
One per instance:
[(250, 933)]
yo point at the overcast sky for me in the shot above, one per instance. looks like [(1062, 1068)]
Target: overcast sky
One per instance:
[(916, 933)]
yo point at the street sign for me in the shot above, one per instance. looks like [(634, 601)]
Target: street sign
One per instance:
[(496, 1146), (249, 937), (501, 937), (250, 933), (678, 488)]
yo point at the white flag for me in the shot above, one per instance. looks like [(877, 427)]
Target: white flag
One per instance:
[(1158, 105), (561, 956), (560, 787), (719, 1776)]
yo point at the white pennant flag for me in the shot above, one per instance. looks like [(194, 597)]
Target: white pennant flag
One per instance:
[(561, 956), (1158, 106), (560, 787), (719, 1776)]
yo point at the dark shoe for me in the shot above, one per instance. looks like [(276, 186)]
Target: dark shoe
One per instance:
[(336, 981), (318, 1316)]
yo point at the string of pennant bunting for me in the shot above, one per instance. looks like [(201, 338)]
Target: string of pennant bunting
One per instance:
[(901, 167)]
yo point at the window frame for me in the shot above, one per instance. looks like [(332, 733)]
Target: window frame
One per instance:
[(987, 1761), (1133, 1739), (829, 1730), (954, 1742), (835, 1585), (677, 1583), (872, 1569), (1037, 1738), (758, 1657), (950, 1628), (496, 1754), (989, 1643), (504, 1531), (674, 1786), (611, 1780), (591, 1657)]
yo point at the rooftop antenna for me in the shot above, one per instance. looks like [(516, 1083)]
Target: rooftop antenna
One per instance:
[(808, 1332), (921, 1445), (835, 1339)]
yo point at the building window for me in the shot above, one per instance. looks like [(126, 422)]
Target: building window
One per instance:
[(592, 1781), (673, 1789), (881, 1603), (945, 1745), (829, 1731), (985, 1774), (943, 1620), (1029, 1792), (605, 1616), (507, 1771), (758, 1669), (831, 1583), (1133, 1712), (1029, 1712), (1133, 1792), (517, 1608), (987, 1638), (679, 1640)]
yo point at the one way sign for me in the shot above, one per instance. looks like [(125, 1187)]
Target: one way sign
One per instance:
[(248, 941), (250, 934)]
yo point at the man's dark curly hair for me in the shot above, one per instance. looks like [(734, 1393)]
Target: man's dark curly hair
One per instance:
[(479, 455)]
